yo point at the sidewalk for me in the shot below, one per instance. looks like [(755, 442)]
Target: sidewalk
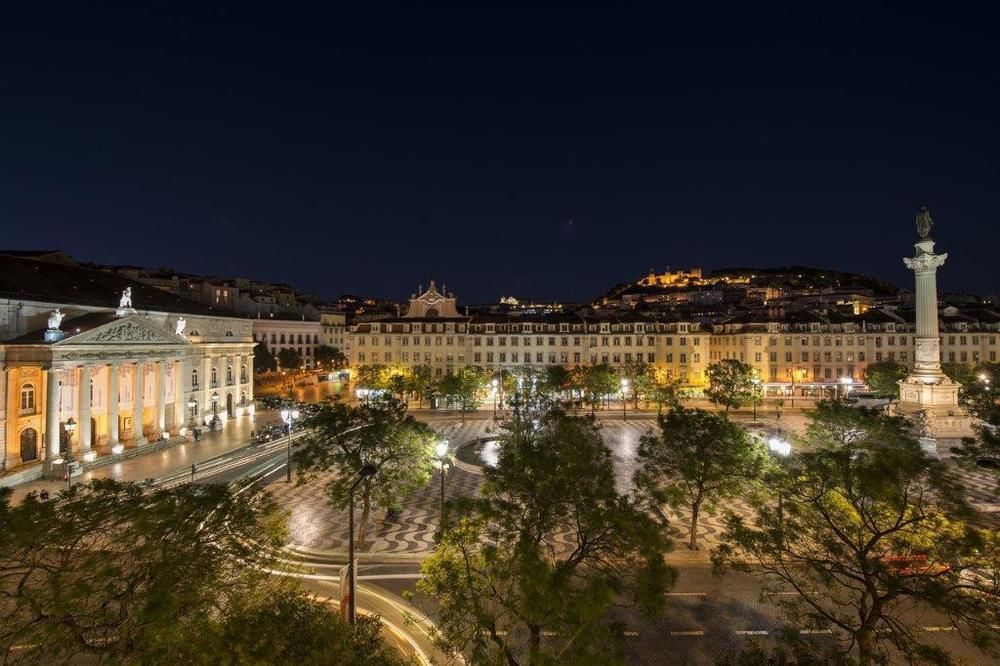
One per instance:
[(155, 464)]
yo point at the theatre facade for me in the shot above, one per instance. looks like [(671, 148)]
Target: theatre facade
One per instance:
[(83, 385)]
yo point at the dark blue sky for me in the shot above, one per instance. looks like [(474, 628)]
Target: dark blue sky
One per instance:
[(366, 147)]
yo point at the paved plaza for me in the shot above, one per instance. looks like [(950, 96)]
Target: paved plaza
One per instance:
[(315, 526)]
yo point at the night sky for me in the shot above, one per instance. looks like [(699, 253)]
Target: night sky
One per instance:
[(367, 147)]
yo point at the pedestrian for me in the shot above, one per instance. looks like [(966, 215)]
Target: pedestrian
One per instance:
[(44, 495)]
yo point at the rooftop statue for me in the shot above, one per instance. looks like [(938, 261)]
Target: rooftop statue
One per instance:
[(126, 299), (181, 323), (55, 319), (924, 223)]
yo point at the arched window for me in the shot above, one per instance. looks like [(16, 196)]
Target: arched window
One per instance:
[(194, 379), (229, 374), (27, 398), (243, 374), (215, 377), (29, 445), (431, 312)]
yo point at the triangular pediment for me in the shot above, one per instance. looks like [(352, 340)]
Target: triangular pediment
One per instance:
[(130, 329)]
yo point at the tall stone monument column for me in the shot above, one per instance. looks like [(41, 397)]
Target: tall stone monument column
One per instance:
[(927, 393)]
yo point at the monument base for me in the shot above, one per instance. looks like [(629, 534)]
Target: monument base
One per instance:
[(935, 400)]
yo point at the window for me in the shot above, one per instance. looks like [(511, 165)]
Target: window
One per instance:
[(194, 379), (215, 377), (27, 398)]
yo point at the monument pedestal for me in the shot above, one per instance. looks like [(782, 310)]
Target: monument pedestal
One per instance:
[(936, 401)]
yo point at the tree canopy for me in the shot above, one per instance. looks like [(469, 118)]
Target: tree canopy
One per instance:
[(883, 378), (289, 359), (869, 527), (548, 547), (731, 383), (697, 459), (263, 359), (129, 574), (378, 432)]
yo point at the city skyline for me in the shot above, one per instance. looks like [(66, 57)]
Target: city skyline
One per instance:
[(502, 152)]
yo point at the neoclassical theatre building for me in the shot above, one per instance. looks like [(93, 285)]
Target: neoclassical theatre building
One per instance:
[(94, 365)]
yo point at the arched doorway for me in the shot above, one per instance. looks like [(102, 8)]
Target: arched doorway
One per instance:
[(229, 405), (29, 445)]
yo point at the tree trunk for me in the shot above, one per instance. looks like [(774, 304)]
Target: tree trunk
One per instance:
[(534, 644), (695, 508), (866, 646)]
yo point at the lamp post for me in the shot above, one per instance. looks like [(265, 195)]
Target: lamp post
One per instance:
[(441, 450), (289, 416), (215, 409), (495, 384), (624, 384), (69, 427), (781, 449), (192, 406), (846, 382), (753, 398), (364, 473)]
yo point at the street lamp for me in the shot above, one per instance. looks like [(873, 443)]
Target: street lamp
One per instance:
[(365, 472), (781, 449), (624, 384), (753, 399), (441, 450), (215, 409), (69, 426), (289, 416), (495, 384), (846, 382)]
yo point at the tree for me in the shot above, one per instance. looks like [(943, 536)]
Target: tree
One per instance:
[(327, 355), (132, 574), (421, 381), (662, 390), (599, 381), (697, 459), (372, 377), (869, 527), (978, 395), (730, 383), (379, 432), (555, 379), (547, 548), (398, 382), (883, 378), (642, 375), (467, 387), (263, 359), (289, 359)]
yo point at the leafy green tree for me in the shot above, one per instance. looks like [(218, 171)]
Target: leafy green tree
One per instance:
[(130, 574), (421, 381), (379, 432), (978, 394), (263, 359), (642, 376), (325, 355), (599, 381), (662, 391), (555, 379), (289, 359), (697, 459), (883, 378), (398, 382), (730, 383), (467, 387), (868, 528), (547, 548), (373, 377)]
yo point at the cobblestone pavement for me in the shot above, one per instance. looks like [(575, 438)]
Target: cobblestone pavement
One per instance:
[(313, 524)]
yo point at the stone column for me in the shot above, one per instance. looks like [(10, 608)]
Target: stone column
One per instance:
[(928, 345), (180, 403), (138, 372), (83, 411), (161, 397), (114, 435), (52, 414)]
